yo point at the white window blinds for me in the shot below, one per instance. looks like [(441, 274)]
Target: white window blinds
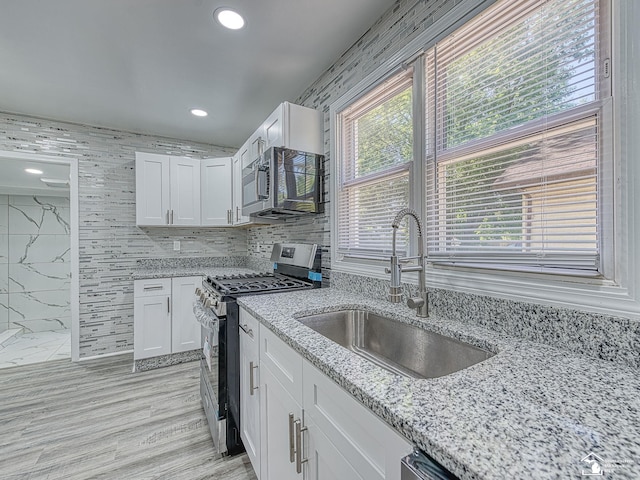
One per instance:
[(375, 161), (513, 138)]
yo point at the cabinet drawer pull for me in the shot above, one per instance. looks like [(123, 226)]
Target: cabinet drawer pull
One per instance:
[(153, 287), (292, 447), (168, 304), (299, 459), (245, 328), (252, 386)]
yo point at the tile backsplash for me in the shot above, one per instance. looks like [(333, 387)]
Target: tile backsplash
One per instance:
[(35, 271)]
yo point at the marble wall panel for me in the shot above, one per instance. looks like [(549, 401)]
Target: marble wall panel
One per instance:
[(38, 305), (4, 312), (39, 248), (4, 278), (44, 220), (36, 277)]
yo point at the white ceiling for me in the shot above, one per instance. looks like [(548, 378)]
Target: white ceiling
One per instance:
[(141, 65), (15, 181)]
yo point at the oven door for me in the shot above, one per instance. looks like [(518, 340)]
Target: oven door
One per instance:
[(211, 387)]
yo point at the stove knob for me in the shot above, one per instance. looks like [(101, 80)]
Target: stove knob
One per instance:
[(202, 296), (207, 304), (198, 291)]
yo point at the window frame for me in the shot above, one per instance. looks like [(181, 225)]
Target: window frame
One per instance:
[(618, 290)]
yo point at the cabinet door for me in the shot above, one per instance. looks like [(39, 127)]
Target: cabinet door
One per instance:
[(256, 144), (216, 185), (274, 128), (185, 329), (373, 448), (276, 447), (243, 153), (185, 191), (151, 326), (152, 189), (249, 388), (325, 461), (238, 218)]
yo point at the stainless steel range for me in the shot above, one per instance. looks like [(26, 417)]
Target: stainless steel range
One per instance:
[(296, 267)]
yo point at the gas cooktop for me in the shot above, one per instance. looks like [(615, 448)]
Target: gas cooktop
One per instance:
[(258, 283)]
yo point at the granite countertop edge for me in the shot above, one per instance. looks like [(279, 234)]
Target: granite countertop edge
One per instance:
[(530, 411), (146, 274)]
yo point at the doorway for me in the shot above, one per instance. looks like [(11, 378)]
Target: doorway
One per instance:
[(39, 304)]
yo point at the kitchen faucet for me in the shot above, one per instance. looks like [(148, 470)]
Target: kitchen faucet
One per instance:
[(420, 303)]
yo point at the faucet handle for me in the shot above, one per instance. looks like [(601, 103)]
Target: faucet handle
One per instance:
[(415, 302)]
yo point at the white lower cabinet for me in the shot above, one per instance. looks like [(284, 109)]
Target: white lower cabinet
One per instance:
[(163, 320), (185, 329), (312, 429), (152, 326), (249, 387), (326, 462)]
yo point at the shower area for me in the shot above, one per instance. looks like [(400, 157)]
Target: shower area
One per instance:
[(35, 268)]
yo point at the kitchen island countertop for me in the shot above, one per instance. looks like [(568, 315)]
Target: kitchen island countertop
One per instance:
[(530, 411)]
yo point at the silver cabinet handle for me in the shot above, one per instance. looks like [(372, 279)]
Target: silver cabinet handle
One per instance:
[(251, 381), (171, 217), (299, 459), (292, 447), (168, 222), (153, 287), (245, 328), (168, 304), (237, 214)]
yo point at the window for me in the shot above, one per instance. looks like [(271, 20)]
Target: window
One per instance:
[(375, 169), (514, 158), (499, 137)]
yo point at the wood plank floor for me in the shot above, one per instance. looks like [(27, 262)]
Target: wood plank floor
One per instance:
[(96, 419)]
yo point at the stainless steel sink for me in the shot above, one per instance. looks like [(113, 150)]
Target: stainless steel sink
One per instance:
[(396, 346)]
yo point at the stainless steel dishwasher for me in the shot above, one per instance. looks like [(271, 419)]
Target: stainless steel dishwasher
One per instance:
[(419, 466)]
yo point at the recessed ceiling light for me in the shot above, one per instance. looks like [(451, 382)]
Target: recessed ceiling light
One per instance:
[(35, 171), (198, 113), (228, 18)]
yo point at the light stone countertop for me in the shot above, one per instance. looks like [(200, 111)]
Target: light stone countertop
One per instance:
[(530, 411)]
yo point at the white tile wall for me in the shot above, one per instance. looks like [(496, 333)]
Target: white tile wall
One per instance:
[(37, 274)]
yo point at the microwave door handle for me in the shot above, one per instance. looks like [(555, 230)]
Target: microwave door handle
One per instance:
[(255, 181), (260, 195)]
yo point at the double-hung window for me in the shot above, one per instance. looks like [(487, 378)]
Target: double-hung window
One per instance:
[(514, 159), (374, 174), (514, 117)]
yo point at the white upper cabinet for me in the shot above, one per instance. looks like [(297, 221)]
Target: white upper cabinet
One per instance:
[(238, 218), (216, 190), (185, 191), (296, 127), (152, 189), (167, 190)]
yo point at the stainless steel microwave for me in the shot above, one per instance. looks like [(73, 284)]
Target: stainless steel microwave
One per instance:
[(283, 183)]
